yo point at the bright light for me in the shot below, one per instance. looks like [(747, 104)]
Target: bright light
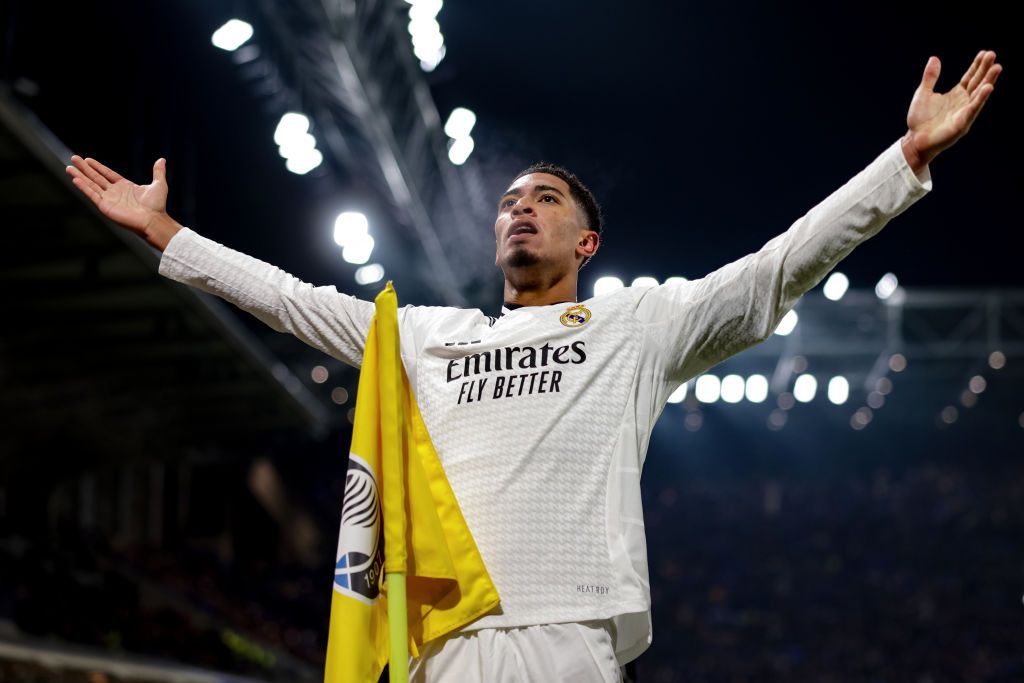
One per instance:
[(358, 250), (232, 35), (977, 384), (996, 360), (787, 324), (425, 8), (757, 388), (732, 388), (707, 388), (886, 286), (676, 280), (459, 150), (429, 59), (804, 388), (679, 394), (460, 123), (302, 164), (421, 25), (429, 62), (835, 286), (349, 225), (427, 42), (607, 284), (838, 390), (367, 275), (425, 32), (645, 281), (297, 145), (289, 127)]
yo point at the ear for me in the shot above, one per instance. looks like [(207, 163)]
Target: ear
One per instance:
[(588, 243)]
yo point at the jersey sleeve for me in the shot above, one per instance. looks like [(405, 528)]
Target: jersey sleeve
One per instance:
[(322, 317), (700, 323)]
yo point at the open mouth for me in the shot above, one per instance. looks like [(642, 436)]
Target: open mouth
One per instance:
[(522, 228)]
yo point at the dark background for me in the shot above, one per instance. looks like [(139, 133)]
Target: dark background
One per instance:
[(814, 552)]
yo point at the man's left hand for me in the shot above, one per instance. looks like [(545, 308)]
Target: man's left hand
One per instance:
[(937, 120)]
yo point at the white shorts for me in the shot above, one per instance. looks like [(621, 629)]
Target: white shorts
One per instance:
[(548, 653)]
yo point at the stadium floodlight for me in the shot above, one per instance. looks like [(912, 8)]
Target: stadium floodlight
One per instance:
[(645, 281), (805, 388), (757, 388), (369, 274), (732, 389), (424, 8), (232, 35), (291, 125), (679, 394), (425, 33), (707, 389), (303, 163), (787, 324), (460, 123), (459, 150), (348, 226), (426, 36), (886, 286), (430, 61), (422, 25), (675, 280), (838, 390), (358, 250), (297, 145), (836, 286), (607, 284)]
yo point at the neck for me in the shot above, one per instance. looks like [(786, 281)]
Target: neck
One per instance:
[(533, 289)]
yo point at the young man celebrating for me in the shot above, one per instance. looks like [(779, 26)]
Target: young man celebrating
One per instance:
[(542, 416)]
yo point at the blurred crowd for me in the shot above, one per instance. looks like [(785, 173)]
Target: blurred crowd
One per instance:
[(881, 575), (852, 574)]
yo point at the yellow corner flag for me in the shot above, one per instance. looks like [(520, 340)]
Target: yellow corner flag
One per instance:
[(399, 516)]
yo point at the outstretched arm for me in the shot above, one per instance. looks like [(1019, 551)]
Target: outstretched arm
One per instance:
[(322, 317), (705, 321), (937, 120)]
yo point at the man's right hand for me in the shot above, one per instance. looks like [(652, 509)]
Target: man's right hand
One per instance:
[(139, 208)]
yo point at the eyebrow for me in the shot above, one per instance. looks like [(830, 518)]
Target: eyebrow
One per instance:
[(518, 191)]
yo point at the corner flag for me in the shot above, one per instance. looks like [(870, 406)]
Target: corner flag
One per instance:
[(399, 516)]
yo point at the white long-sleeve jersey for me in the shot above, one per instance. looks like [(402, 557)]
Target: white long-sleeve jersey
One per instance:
[(542, 416)]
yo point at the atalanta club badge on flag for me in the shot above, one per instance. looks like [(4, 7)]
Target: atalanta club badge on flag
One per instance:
[(361, 539)]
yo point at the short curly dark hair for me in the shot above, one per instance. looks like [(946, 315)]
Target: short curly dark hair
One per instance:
[(581, 194)]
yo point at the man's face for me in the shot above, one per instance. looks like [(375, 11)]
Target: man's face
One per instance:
[(538, 222)]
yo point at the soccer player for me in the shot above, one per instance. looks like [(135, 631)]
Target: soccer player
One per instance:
[(542, 416)]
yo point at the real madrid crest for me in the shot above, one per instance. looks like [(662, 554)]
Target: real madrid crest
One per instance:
[(575, 316)]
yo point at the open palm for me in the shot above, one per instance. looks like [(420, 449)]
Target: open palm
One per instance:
[(119, 199), (937, 120)]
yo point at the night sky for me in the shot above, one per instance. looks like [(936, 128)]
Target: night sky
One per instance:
[(703, 129)]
